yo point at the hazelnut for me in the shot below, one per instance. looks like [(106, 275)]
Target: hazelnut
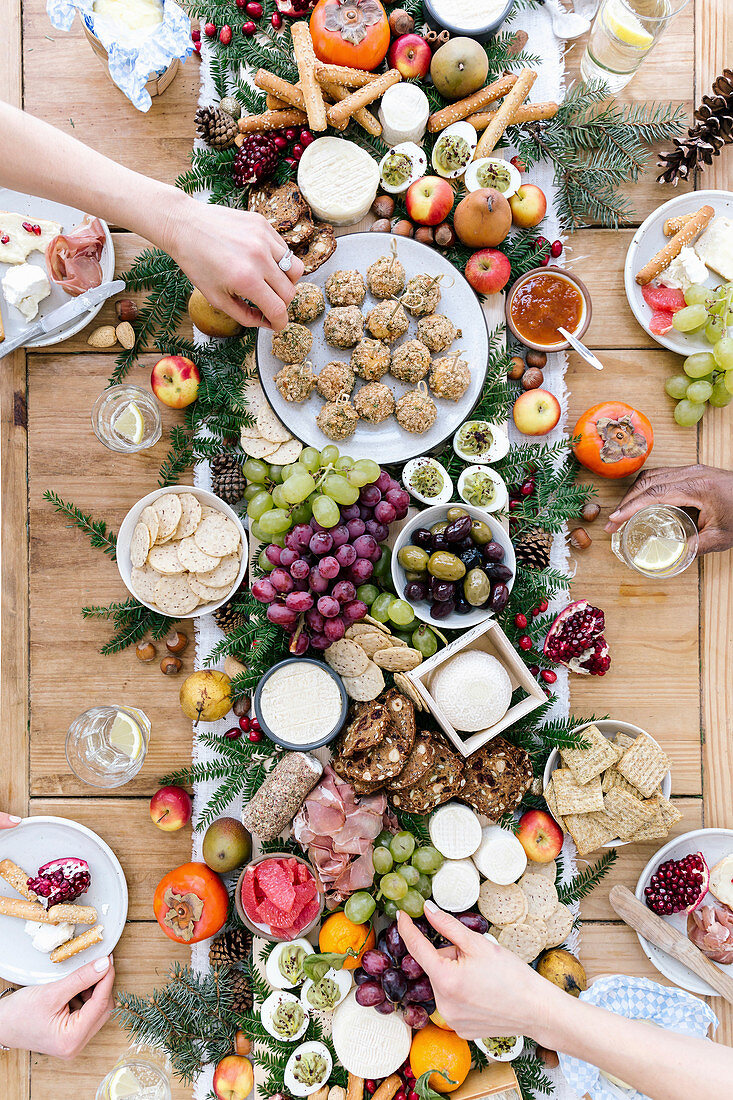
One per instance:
[(242, 1044), (536, 358), (403, 228), (532, 379), (382, 225), (579, 538), (424, 234), (126, 310), (383, 206), (445, 235), (401, 22), (516, 369), (591, 511), (145, 651), (170, 665), (176, 641), (243, 706)]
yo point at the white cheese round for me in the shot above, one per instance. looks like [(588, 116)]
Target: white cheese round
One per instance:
[(367, 1044), (403, 113), (300, 703), (500, 856), (455, 830), (473, 690), (468, 15), (339, 180), (456, 885)]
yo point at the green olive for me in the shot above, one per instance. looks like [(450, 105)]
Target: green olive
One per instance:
[(413, 558), (476, 587), (415, 575), (480, 532), (438, 528), (455, 513), (445, 566)]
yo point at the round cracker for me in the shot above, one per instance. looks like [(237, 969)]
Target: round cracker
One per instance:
[(193, 558), (259, 447), (347, 658), (250, 431), (140, 545), (523, 940), (174, 596), (165, 559), (372, 642), (287, 452), (223, 574), (270, 427), (190, 515), (547, 870), (144, 581), (149, 517), (217, 536), (205, 592), (366, 686), (169, 510), (540, 893), (502, 904), (558, 926)]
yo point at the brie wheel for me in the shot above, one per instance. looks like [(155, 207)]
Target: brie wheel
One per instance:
[(339, 180)]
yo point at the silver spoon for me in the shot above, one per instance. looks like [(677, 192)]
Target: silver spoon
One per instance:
[(566, 24), (582, 350)]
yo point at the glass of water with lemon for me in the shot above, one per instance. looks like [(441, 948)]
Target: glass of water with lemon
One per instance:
[(623, 33), (106, 745), (660, 541), (126, 419), (135, 1079)]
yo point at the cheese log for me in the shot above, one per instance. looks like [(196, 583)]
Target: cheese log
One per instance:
[(342, 74), (513, 99), (78, 943), (462, 108), (271, 120), (281, 795), (530, 112), (365, 118), (306, 61), (363, 96), (674, 246)]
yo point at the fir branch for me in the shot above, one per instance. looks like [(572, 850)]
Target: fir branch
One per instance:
[(531, 1076), (257, 642), (137, 626), (585, 881), (161, 314), (100, 537)]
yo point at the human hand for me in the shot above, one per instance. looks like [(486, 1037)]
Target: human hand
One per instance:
[(59, 1018), (9, 821), (703, 487), (231, 255)]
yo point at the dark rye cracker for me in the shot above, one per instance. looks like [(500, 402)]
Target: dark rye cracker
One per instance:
[(417, 765), (283, 206), (443, 781), (319, 249), (370, 723), (402, 713), (496, 778)]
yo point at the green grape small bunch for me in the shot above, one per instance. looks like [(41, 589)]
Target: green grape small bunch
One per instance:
[(403, 878), (708, 375)]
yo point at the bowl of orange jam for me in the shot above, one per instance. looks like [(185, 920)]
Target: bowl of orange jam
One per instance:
[(541, 302)]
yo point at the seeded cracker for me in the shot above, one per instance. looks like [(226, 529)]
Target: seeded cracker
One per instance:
[(548, 870), (366, 686), (372, 641), (417, 765), (586, 764), (217, 535), (190, 515), (346, 658), (144, 582), (502, 905), (541, 896), (558, 926), (194, 559), (270, 427), (613, 778), (174, 596), (205, 593), (622, 741), (140, 545), (573, 797), (165, 559), (169, 511), (149, 517), (644, 765), (287, 452), (522, 940), (589, 831), (225, 573), (258, 447), (626, 813)]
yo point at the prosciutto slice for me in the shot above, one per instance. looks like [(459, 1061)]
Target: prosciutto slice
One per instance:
[(338, 830), (73, 258), (711, 929)]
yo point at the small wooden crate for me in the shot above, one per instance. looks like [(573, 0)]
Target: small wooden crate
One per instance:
[(489, 637), (157, 82)]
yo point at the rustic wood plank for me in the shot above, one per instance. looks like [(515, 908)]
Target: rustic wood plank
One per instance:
[(613, 325)]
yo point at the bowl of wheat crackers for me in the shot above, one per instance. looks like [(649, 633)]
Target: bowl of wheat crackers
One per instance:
[(613, 792), (181, 551)]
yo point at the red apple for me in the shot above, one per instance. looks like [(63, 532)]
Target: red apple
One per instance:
[(170, 808), (233, 1078), (488, 271), (518, 164), (175, 381), (536, 412), (540, 836), (528, 205), (429, 200), (410, 55)]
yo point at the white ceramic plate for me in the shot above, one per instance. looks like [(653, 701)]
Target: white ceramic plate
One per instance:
[(128, 526), (15, 322), (714, 844), (387, 442), (648, 240), (34, 842)]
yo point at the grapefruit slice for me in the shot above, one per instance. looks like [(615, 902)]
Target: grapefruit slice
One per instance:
[(275, 881), (661, 322), (663, 298)]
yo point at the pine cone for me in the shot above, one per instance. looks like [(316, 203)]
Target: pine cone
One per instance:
[(532, 549), (227, 479), (230, 947), (217, 128), (228, 617), (242, 990), (713, 130)]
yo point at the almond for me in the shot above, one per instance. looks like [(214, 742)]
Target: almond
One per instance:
[(102, 337), (126, 335)]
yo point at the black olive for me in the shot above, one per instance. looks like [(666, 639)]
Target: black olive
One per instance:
[(499, 573), (416, 591), (422, 537), (439, 542), (499, 597), (442, 610), (493, 551), (459, 529), (472, 558), (444, 590)]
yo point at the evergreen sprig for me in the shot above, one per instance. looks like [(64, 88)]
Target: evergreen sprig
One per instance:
[(133, 622), (160, 316), (531, 1076), (258, 643), (100, 537), (585, 881)]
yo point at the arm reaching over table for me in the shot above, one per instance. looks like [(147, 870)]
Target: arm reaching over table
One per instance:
[(230, 255), (703, 487), (483, 990)]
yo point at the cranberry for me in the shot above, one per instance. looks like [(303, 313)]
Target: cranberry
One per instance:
[(408, 1073), (277, 20), (298, 151), (544, 261), (233, 733), (548, 675), (290, 134), (245, 724), (291, 161), (210, 30), (540, 243), (543, 605), (535, 612), (525, 642), (225, 35), (306, 137), (280, 142), (513, 505), (197, 47), (240, 3), (534, 669), (254, 9), (196, 34), (248, 28), (518, 164), (412, 1095), (255, 725), (254, 736), (370, 1086), (400, 1095), (556, 249), (520, 621), (5, 239), (527, 487)]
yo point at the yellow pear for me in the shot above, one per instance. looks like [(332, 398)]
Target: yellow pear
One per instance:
[(205, 696)]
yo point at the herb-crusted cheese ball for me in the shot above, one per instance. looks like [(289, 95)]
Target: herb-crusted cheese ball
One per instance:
[(374, 402), (387, 321), (370, 359), (292, 344), (437, 331), (422, 295), (416, 412), (343, 326), (337, 419), (386, 277), (450, 377), (335, 378), (345, 288), (308, 303), (296, 382), (410, 361)]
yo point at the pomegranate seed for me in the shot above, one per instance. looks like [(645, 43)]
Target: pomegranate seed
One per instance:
[(548, 675), (556, 249), (298, 151), (248, 29), (277, 20), (525, 642), (254, 9), (543, 605), (254, 736), (245, 724), (520, 621), (31, 228), (527, 487), (306, 137), (225, 35), (534, 669), (196, 34), (290, 134), (233, 733), (210, 30), (5, 239)]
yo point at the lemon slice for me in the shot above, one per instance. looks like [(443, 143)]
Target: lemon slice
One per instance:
[(125, 737), (658, 553), (123, 1085), (129, 423), (627, 27)]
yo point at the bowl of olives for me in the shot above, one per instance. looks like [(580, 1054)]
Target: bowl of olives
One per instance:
[(455, 566)]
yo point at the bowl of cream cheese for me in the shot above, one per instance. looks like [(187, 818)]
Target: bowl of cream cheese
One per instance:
[(479, 19), (301, 703)]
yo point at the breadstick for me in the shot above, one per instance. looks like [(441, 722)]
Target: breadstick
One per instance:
[(355, 1088), (274, 104), (388, 1088), (530, 112), (362, 96), (284, 91), (77, 943), (674, 246), (462, 108), (306, 60), (271, 120), (342, 74), (503, 116), (365, 118), (24, 910), (74, 914), (673, 225), (15, 875)]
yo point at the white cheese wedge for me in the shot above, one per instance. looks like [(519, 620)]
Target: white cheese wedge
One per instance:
[(367, 1044), (47, 937), (715, 246), (455, 830), (403, 113), (24, 287), (500, 856), (684, 270), (21, 242), (456, 885), (339, 180), (721, 880)]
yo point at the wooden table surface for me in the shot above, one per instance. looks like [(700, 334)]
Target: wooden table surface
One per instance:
[(672, 658)]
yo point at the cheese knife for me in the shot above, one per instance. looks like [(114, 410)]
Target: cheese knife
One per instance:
[(669, 939), (61, 316)]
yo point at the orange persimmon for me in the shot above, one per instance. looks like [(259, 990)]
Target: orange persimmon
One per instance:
[(613, 439), (350, 32)]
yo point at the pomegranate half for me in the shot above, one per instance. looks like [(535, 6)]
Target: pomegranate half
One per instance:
[(576, 640)]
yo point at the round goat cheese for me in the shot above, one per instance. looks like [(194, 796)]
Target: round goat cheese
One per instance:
[(367, 1044), (455, 830), (339, 180), (500, 856), (473, 690), (403, 113), (456, 886)]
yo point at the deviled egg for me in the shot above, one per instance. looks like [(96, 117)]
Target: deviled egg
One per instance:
[(493, 172), (454, 149), (401, 166), (326, 994), (483, 488), (480, 441), (283, 1016), (427, 480), (503, 1048), (284, 966), (307, 1068)]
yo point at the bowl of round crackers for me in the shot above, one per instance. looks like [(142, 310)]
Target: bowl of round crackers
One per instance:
[(614, 792), (181, 551)]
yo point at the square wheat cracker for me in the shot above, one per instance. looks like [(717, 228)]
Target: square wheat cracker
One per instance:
[(613, 778), (551, 800), (644, 765), (627, 814), (589, 831), (576, 798), (622, 741), (586, 764)]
